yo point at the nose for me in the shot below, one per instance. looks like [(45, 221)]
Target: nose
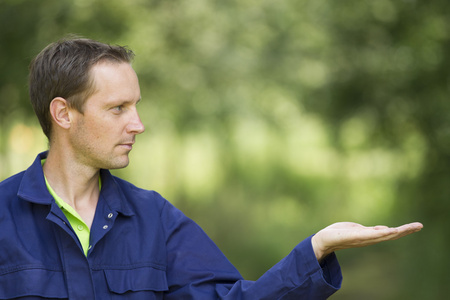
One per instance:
[(135, 126)]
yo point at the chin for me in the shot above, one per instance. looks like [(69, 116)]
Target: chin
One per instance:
[(117, 164), (120, 166)]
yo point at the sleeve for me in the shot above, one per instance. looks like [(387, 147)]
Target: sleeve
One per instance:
[(197, 269)]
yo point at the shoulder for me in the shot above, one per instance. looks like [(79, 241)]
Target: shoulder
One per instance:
[(139, 197), (130, 189), (10, 186), (10, 205)]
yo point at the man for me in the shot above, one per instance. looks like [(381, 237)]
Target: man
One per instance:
[(72, 230)]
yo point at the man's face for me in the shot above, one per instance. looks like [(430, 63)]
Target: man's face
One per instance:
[(103, 135)]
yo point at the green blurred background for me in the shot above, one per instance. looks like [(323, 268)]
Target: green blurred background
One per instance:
[(269, 120)]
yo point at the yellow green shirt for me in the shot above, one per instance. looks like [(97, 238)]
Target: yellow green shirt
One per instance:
[(74, 218)]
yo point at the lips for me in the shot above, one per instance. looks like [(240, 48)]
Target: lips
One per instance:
[(127, 145)]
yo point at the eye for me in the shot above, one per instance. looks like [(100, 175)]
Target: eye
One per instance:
[(118, 108)]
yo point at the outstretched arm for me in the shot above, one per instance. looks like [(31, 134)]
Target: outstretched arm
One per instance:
[(346, 235)]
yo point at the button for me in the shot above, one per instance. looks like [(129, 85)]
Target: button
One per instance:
[(80, 227), (105, 227), (110, 215)]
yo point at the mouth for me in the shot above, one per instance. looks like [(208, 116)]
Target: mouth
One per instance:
[(128, 146)]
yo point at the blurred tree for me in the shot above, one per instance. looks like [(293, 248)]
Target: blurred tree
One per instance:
[(270, 119), (17, 21), (390, 69)]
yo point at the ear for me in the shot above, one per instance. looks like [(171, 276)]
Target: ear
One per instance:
[(60, 112)]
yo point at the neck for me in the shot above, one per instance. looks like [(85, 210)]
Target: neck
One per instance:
[(73, 182)]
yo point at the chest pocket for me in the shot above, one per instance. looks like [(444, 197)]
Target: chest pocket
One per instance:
[(32, 283), (137, 283)]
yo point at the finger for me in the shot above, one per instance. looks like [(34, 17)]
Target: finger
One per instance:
[(379, 227), (371, 235), (378, 236), (416, 226), (401, 231), (407, 229)]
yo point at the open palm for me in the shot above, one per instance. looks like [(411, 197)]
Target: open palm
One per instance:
[(344, 235)]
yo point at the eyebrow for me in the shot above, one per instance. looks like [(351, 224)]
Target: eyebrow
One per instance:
[(122, 102)]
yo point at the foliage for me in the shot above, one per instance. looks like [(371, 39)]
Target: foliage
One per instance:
[(267, 120)]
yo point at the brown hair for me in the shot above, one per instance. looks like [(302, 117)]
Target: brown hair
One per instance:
[(62, 69)]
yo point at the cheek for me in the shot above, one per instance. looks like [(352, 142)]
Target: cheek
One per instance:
[(107, 130), (88, 130), (102, 127)]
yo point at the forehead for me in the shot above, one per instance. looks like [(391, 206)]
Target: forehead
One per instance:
[(114, 81)]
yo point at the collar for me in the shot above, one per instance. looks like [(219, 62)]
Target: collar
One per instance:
[(33, 189)]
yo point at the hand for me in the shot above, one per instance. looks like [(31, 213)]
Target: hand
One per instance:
[(346, 235)]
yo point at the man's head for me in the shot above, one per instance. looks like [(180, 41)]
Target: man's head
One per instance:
[(63, 69)]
